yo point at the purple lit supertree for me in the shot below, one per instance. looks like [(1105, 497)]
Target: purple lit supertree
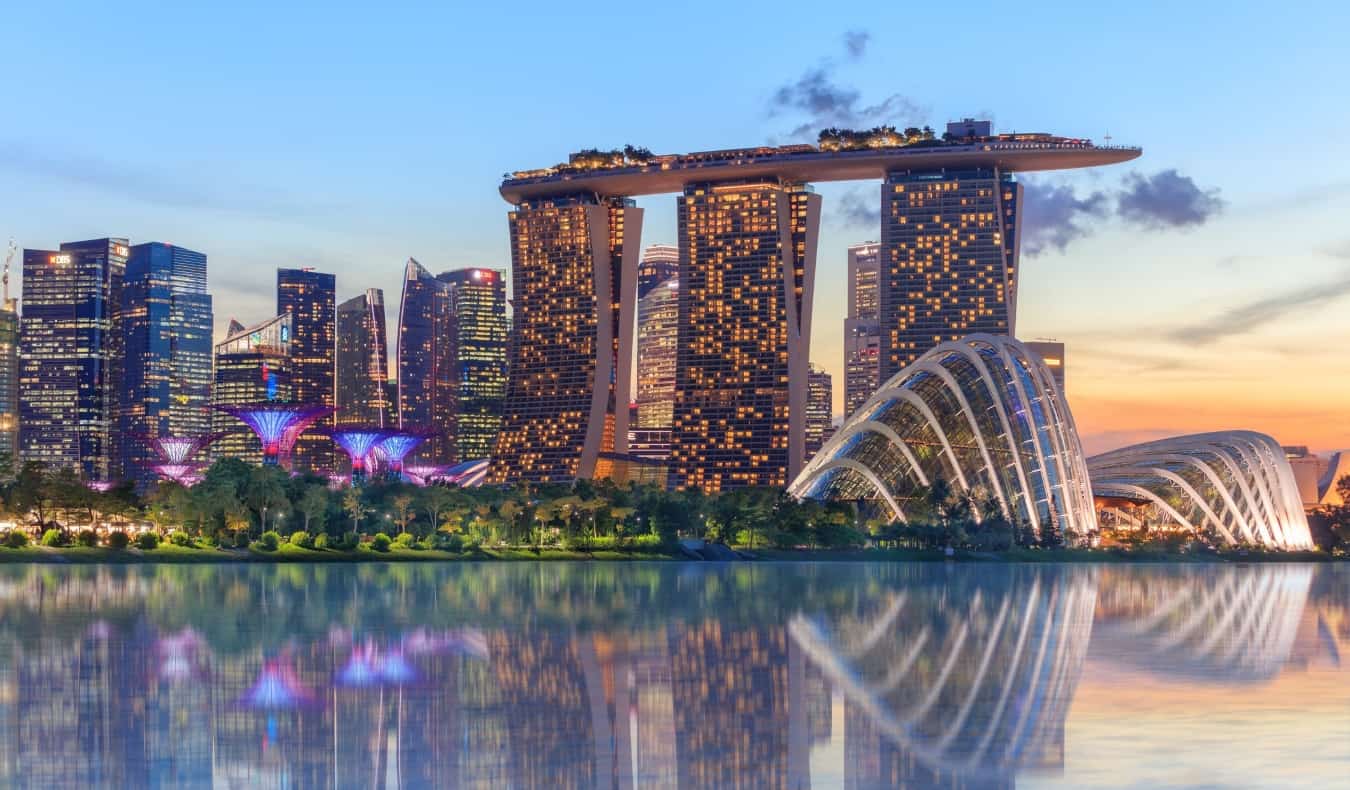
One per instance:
[(180, 449), (101, 486), (357, 441), (397, 445), (178, 473), (277, 425)]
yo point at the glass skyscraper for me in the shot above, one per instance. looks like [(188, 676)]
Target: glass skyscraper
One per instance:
[(478, 306), (819, 410), (363, 361), (311, 299), (70, 353), (574, 263), (862, 331), (9, 379), (253, 364), (747, 267), (658, 337), (660, 262), (426, 397), (948, 259), (166, 323)]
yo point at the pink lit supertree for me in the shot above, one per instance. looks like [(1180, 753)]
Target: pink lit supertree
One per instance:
[(397, 445), (277, 425), (176, 454), (357, 441)]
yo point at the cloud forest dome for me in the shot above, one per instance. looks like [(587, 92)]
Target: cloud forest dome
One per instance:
[(1232, 486), (981, 413)]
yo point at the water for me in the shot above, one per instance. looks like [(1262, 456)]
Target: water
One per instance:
[(657, 675)]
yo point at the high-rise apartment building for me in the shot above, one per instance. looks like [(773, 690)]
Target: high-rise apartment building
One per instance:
[(747, 268), (819, 410), (166, 323), (657, 338), (478, 376), (70, 355), (1053, 353), (862, 329), (362, 361), (310, 298), (948, 259), (426, 391), (574, 263), (253, 365), (659, 263), (9, 379)]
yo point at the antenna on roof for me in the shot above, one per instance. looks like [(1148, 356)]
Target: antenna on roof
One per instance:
[(9, 257)]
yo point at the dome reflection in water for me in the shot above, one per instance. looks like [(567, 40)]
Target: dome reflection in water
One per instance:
[(655, 675)]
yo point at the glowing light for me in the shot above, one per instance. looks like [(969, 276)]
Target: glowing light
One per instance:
[(357, 442), (277, 425), (397, 445), (180, 449)]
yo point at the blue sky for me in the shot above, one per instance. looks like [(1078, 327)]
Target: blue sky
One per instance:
[(349, 137)]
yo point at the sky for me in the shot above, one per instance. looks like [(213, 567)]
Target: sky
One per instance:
[(1203, 286)]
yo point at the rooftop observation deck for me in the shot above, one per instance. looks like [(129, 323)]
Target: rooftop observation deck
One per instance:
[(660, 174)]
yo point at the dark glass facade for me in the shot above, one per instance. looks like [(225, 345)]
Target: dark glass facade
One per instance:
[(166, 323), (948, 260), (310, 298), (253, 364), (660, 262), (426, 397), (862, 330), (70, 353), (478, 303), (363, 361), (9, 379), (574, 287), (747, 261)]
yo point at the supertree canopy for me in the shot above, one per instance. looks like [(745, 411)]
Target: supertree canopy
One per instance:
[(183, 474), (357, 441), (180, 449), (277, 424), (397, 445)]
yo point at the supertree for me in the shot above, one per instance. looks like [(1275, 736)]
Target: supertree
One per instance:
[(357, 441), (176, 452), (397, 445), (277, 424)]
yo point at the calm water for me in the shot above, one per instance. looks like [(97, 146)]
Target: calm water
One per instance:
[(616, 676)]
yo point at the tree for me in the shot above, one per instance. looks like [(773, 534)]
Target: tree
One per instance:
[(313, 506), (355, 509), (403, 512), (29, 494), (265, 492), (434, 501)]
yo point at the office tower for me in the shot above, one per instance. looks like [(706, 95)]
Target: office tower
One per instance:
[(478, 376), (311, 299), (70, 355), (659, 263), (253, 365), (166, 335), (862, 332), (362, 361), (574, 282), (747, 266), (426, 391), (819, 409), (948, 259), (9, 379), (658, 335), (1053, 353)]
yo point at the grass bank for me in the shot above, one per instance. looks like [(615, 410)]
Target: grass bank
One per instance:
[(168, 553)]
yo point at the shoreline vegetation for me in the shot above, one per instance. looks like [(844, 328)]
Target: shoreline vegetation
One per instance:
[(242, 513)]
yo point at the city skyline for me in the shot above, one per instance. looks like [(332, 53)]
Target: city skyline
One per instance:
[(1180, 240)]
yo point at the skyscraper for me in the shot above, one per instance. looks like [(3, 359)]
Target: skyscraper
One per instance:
[(166, 334), (311, 299), (426, 397), (747, 268), (362, 361), (660, 262), (478, 378), (1052, 352), (819, 410), (253, 364), (658, 336), (70, 355), (9, 379), (573, 288), (948, 259), (862, 332)]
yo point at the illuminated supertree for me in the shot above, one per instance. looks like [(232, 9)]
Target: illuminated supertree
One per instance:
[(357, 441), (101, 486), (183, 474), (180, 449), (277, 425), (397, 445)]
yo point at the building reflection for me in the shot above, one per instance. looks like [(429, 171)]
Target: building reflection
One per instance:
[(906, 677)]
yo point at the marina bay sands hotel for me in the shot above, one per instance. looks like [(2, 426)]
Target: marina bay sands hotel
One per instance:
[(749, 224)]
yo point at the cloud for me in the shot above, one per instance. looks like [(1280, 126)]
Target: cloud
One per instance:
[(859, 208), (824, 102), (1166, 199), (1054, 215), (1267, 310)]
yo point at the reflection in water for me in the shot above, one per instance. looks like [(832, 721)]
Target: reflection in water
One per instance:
[(612, 676)]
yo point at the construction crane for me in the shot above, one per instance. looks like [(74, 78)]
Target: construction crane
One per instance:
[(9, 258)]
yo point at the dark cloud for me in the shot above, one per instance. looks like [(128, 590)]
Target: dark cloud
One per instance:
[(1267, 310), (824, 102), (1166, 199), (1054, 215), (855, 43), (859, 209)]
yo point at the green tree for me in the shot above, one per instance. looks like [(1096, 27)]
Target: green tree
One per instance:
[(313, 505), (356, 509), (403, 512)]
